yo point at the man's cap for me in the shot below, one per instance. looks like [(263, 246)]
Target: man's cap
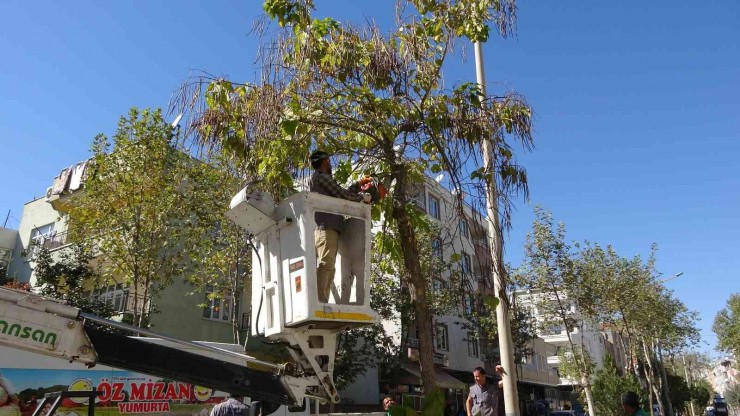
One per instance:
[(317, 156), (631, 399)]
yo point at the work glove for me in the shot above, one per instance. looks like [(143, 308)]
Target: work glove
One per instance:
[(366, 198), (364, 180)]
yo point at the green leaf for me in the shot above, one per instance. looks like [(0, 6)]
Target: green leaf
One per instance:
[(288, 126), (491, 302)]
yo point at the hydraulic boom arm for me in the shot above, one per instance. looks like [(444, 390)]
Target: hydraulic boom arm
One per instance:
[(36, 324)]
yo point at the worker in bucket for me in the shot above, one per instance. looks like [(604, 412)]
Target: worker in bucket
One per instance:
[(328, 226)]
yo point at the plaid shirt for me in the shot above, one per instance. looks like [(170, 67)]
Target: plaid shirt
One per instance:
[(325, 184)]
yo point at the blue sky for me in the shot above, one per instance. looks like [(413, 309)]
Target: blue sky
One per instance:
[(636, 109)]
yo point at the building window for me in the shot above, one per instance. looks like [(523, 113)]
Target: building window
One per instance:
[(469, 303), (216, 309), (44, 231), (5, 256), (39, 237), (434, 207), (464, 228), (437, 248), (416, 195), (441, 338), (466, 264), (473, 350), (554, 330), (438, 285), (116, 296)]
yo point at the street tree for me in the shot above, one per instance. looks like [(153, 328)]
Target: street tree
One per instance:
[(629, 297), (223, 253), (551, 274), (378, 102), (139, 208), (732, 395), (727, 326), (609, 386)]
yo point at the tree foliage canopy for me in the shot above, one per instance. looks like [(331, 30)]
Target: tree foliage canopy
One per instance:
[(145, 205), (727, 326), (379, 103)]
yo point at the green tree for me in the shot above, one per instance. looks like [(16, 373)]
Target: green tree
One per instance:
[(624, 293), (609, 386), (224, 252), (140, 208), (380, 100), (627, 294), (679, 392), (732, 395), (549, 271), (70, 278), (701, 393), (727, 326)]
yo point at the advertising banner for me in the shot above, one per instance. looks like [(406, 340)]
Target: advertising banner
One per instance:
[(123, 393)]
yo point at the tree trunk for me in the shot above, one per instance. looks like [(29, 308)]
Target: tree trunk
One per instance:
[(589, 396), (417, 282), (653, 390), (689, 381), (664, 382), (143, 303)]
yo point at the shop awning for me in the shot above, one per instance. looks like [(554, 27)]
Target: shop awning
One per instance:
[(444, 380)]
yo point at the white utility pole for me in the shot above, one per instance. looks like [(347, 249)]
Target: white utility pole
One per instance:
[(495, 240)]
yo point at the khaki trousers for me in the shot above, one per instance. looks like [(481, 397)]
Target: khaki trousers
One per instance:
[(326, 255)]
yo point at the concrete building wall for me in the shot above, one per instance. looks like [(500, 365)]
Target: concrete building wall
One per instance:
[(181, 316), (36, 214), (8, 238), (536, 368)]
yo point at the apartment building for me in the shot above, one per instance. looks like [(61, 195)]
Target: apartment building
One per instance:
[(557, 335), (456, 349)]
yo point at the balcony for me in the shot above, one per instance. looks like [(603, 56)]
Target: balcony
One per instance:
[(549, 377), (441, 359), (553, 360), (555, 337), (51, 242)]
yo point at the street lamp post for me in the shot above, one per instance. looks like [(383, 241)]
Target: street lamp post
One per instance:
[(506, 346)]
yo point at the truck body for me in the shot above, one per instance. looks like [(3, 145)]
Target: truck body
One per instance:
[(27, 377), (139, 371)]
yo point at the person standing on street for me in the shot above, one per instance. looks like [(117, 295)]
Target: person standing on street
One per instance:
[(231, 407), (328, 226), (483, 398)]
